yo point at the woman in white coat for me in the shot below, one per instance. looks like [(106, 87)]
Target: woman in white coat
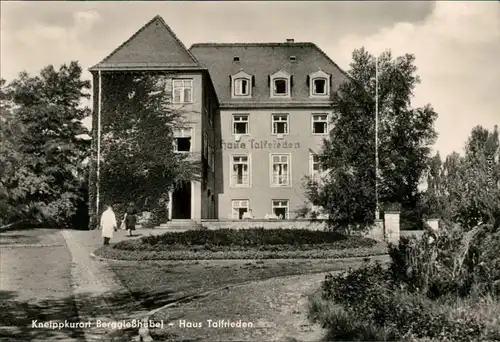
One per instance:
[(108, 224)]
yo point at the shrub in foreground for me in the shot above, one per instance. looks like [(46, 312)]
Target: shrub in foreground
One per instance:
[(441, 287), (370, 306)]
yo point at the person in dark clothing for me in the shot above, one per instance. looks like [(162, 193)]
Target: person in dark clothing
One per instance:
[(130, 218)]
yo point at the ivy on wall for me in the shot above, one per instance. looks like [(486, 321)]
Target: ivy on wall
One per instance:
[(137, 161)]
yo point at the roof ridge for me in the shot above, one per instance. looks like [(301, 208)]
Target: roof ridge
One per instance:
[(253, 44), (156, 17)]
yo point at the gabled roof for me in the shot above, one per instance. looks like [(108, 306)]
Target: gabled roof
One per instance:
[(262, 60), (154, 46)]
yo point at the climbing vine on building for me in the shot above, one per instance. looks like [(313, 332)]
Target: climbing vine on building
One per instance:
[(137, 159)]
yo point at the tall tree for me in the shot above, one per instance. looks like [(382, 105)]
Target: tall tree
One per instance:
[(44, 132), (470, 184), (347, 194)]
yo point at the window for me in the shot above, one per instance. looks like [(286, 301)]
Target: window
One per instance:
[(241, 84), (240, 171), (319, 86), (280, 208), (240, 124), (319, 83), (183, 91), (280, 87), (280, 169), (280, 84), (240, 207), (320, 123), (241, 87), (280, 124), (315, 167), (182, 140)]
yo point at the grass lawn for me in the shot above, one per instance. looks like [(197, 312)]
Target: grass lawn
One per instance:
[(157, 283)]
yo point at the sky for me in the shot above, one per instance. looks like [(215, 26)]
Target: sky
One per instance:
[(456, 44)]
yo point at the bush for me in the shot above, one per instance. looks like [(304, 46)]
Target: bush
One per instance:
[(449, 262), (256, 237), (434, 288), (372, 307)]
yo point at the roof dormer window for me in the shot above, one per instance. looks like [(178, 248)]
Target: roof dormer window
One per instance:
[(241, 85), (319, 84), (280, 87), (280, 84)]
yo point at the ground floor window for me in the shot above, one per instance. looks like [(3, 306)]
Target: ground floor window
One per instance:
[(281, 209), (240, 207)]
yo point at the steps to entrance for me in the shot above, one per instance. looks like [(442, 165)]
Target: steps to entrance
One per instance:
[(180, 225)]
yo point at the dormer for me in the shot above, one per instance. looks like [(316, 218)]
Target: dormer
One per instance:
[(280, 84), (319, 84), (241, 85)]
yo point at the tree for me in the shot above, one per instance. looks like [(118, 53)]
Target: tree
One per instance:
[(347, 194), (138, 162), (470, 189), (44, 151)]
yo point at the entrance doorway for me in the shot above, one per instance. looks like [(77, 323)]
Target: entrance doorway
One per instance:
[(181, 202)]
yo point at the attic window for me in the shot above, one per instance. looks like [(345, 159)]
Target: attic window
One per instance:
[(236, 59), (319, 86), (293, 58), (280, 86), (241, 84), (241, 87)]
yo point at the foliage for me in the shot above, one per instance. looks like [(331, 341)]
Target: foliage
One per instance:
[(253, 237), (449, 262), (42, 150), (443, 286), (136, 251), (466, 189), (138, 163), (370, 308), (346, 193)]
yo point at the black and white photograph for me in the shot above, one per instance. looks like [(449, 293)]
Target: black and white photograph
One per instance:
[(288, 171)]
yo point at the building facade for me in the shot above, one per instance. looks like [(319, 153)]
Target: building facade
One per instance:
[(257, 114)]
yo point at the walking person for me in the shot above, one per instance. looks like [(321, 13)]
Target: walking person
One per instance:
[(108, 224), (130, 218)]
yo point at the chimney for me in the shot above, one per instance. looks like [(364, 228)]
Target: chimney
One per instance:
[(290, 40)]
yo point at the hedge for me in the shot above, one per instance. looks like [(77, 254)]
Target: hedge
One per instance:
[(253, 237)]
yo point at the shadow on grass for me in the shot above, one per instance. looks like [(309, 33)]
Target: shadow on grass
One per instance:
[(18, 316), (18, 238)]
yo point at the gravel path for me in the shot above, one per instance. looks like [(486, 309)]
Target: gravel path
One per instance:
[(277, 308), (35, 286)]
